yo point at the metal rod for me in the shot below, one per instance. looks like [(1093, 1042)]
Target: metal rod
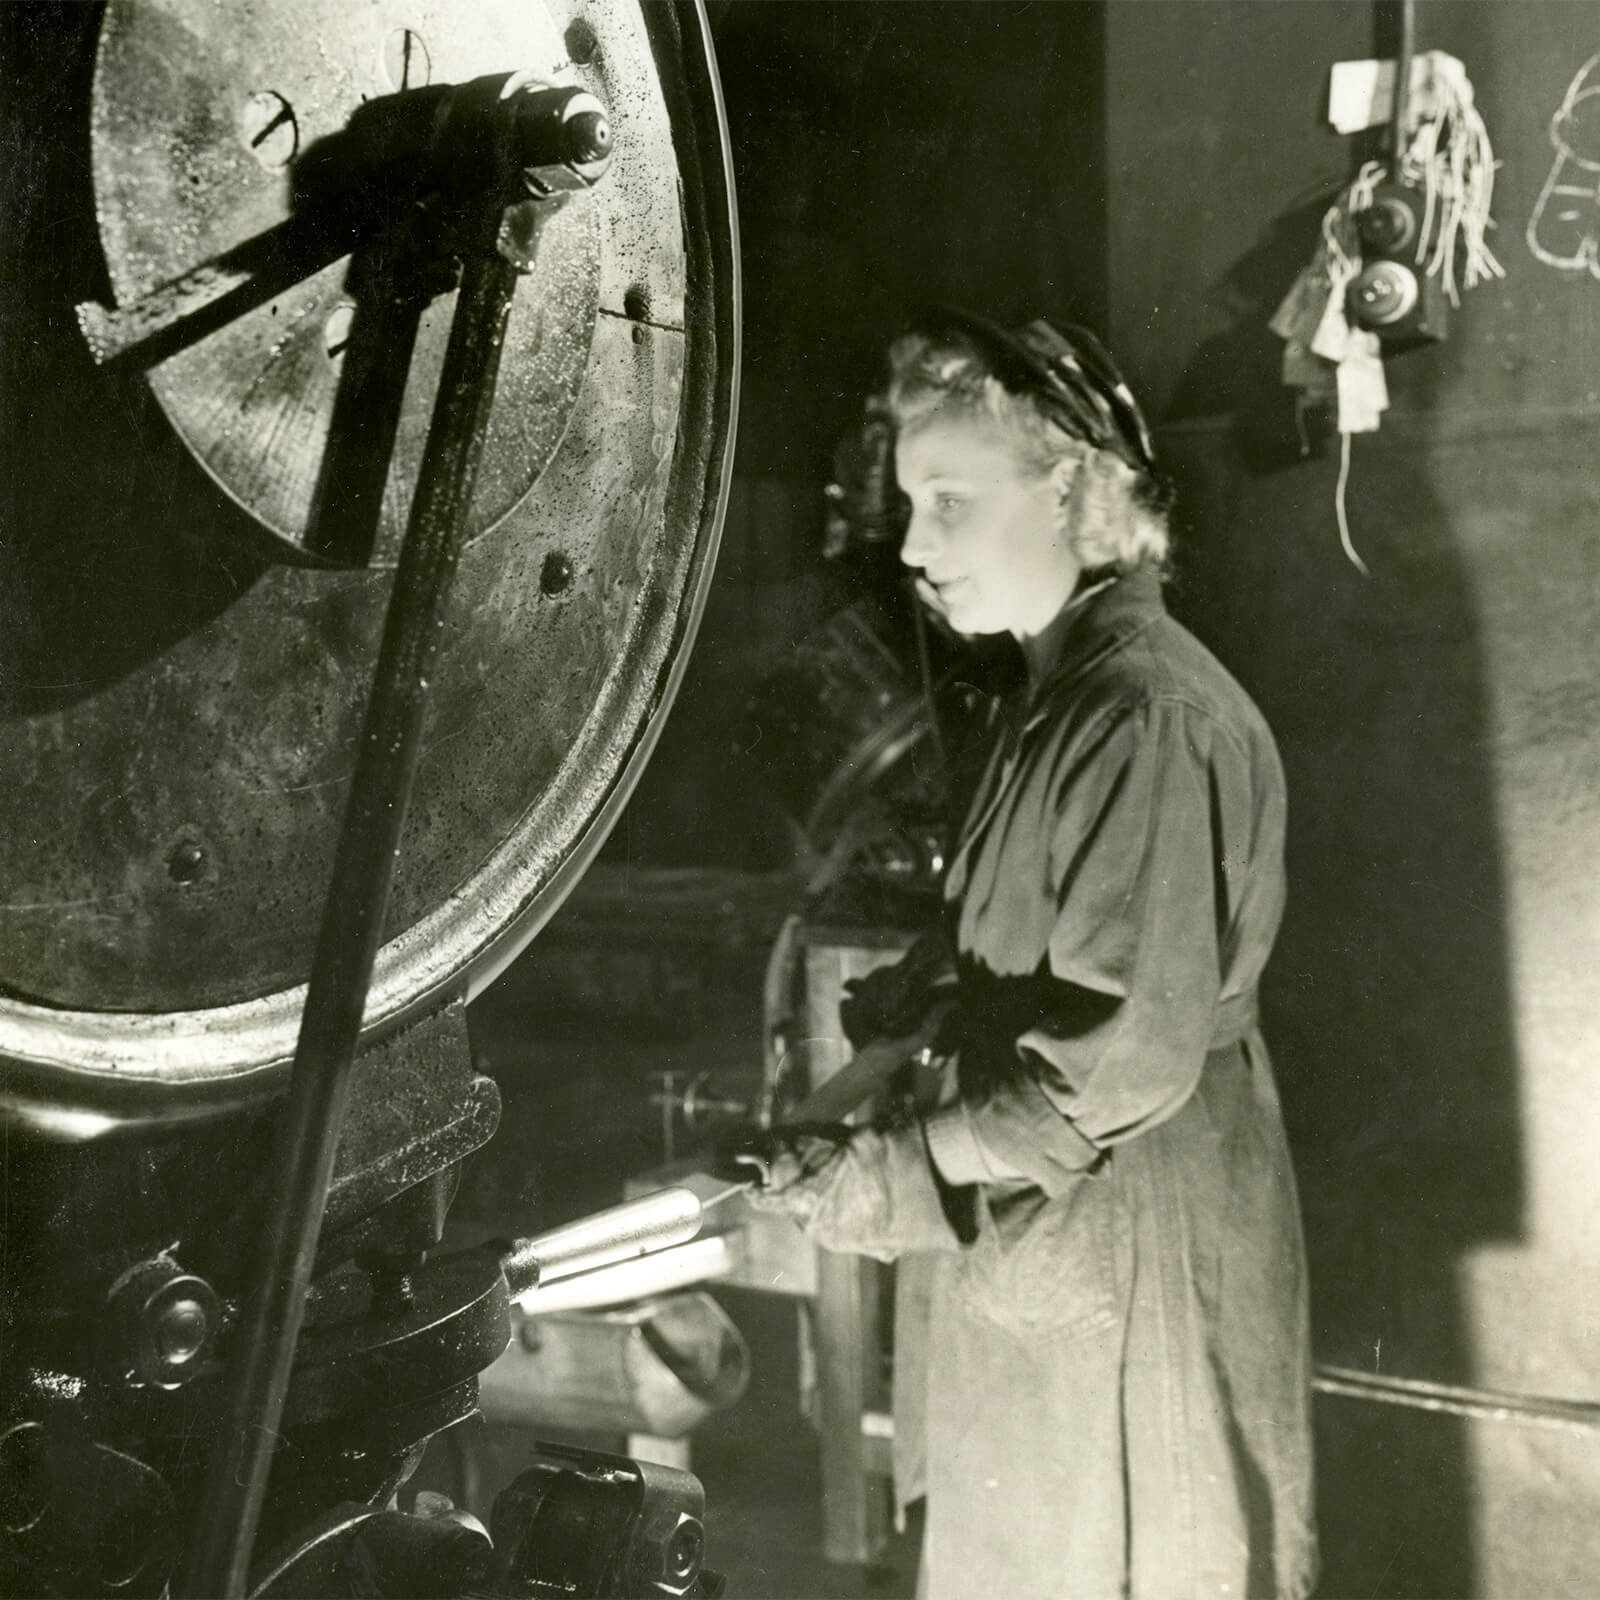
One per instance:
[(1484, 1405), (1402, 85), (635, 1228), (352, 927)]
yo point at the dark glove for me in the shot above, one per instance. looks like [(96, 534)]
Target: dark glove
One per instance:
[(873, 1006), (889, 1002)]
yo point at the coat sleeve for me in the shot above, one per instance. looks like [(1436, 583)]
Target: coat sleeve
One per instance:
[(874, 1191), (1129, 989), (888, 1199)]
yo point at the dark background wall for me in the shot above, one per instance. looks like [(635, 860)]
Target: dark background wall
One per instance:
[(1157, 170), (1431, 1003), (886, 156)]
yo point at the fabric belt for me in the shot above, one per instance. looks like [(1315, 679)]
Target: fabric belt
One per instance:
[(1236, 1016)]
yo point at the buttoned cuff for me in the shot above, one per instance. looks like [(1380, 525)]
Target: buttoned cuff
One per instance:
[(957, 1151), (1016, 1133), (884, 1198)]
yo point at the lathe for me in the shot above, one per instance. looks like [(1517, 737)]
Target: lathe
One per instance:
[(369, 380)]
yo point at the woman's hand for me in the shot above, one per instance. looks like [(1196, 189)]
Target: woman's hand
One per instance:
[(868, 1189), (891, 1002), (789, 1167)]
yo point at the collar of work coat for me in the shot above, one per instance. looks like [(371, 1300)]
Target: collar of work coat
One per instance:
[(1094, 624)]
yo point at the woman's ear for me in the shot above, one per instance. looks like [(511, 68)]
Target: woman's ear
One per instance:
[(1064, 477)]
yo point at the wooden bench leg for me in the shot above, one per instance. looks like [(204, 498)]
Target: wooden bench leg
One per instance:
[(855, 1504)]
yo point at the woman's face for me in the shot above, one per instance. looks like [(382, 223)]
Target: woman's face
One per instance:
[(988, 529)]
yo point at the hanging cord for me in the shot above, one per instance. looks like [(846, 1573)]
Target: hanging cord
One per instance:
[(1340, 247), (1339, 507), (1450, 159), (1340, 242), (1342, 250), (1364, 187), (1340, 254)]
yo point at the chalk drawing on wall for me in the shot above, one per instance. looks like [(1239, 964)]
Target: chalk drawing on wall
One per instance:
[(1564, 230)]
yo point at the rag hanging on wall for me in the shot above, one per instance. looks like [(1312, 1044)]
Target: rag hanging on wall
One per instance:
[(1397, 246)]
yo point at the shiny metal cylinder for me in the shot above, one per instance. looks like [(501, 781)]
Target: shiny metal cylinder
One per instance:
[(635, 1228)]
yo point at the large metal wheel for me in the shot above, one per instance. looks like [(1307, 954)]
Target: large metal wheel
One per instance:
[(184, 675)]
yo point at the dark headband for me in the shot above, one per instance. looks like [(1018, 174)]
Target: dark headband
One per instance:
[(1066, 372)]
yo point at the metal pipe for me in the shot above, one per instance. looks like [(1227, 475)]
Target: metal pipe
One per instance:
[(1402, 85), (352, 928), (635, 1228), (1483, 1405), (714, 1255)]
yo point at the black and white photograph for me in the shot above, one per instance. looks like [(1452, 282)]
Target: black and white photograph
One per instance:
[(799, 799)]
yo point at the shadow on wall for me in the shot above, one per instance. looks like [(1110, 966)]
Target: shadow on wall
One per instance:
[(1388, 1001), (1237, 373), (92, 584)]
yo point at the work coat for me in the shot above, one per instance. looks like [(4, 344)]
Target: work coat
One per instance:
[(1102, 1381)]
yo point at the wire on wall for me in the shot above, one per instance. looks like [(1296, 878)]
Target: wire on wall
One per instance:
[(1339, 507), (1397, 247)]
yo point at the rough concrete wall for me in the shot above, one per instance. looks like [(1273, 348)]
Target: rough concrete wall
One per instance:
[(1432, 1006)]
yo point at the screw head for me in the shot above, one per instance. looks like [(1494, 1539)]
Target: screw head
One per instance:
[(267, 128), (187, 861), (587, 137), (336, 329), (555, 576), (403, 62), (180, 1331), (166, 1320), (684, 1550), (582, 44)]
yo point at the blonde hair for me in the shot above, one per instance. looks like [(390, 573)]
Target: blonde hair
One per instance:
[(1117, 514)]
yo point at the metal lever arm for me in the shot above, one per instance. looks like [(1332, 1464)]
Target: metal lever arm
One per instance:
[(352, 928), (493, 142)]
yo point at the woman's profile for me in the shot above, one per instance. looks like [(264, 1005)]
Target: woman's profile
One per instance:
[(1104, 1386)]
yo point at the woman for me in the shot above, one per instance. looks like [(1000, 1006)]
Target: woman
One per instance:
[(1113, 1395)]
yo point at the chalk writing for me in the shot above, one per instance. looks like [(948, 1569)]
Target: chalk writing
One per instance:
[(1564, 229)]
